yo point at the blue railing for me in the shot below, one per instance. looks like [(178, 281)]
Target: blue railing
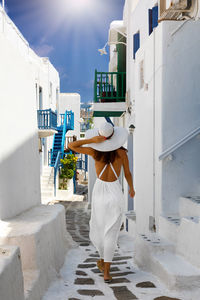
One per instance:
[(67, 119), (56, 168), (64, 132), (49, 157), (85, 126), (82, 164), (47, 119)]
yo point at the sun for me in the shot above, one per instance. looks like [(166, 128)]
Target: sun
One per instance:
[(77, 7)]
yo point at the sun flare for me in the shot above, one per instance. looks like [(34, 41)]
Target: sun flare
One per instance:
[(79, 6)]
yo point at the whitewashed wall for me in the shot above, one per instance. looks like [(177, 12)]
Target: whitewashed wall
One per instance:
[(19, 157), (166, 108), (22, 72), (45, 75), (180, 110), (71, 101)]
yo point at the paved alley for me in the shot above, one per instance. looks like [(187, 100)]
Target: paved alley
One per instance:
[(80, 278)]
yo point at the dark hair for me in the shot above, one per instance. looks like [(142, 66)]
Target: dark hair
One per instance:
[(108, 156)]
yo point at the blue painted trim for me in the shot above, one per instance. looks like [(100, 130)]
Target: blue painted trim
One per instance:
[(150, 21), (109, 121), (56, 168), (136, 43), (154, 17), (74, 181)]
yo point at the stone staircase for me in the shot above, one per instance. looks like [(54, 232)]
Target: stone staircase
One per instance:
[(47, 185), (173, 253), (36, 244)]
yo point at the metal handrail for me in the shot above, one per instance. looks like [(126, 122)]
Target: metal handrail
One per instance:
[(56, 168), (177, 145), (67, 121), (64, 132)]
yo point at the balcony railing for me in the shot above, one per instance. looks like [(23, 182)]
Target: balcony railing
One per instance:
[(109, 87), (84, 127), (47, 119), (68, 117)]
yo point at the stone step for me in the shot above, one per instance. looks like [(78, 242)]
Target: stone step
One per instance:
[(47, 187), (175, 271), (47, 194), (47, 190), (47, 178), (169, 227), (42, 249), (188, 240), (46, 200), (158, 257), (184, 233), (154, 243), (47, 184), (47, 175), (46, 172), (189, 206)]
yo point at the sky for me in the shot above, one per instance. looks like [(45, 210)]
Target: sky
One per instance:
[(69, 32)]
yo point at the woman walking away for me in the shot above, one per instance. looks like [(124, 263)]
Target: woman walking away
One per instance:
[(105, 146)]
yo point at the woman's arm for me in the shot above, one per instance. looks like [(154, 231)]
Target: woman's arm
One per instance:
[(128, 174), (76, 146)]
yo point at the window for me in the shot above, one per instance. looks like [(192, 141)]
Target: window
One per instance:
[(153, 18), (136, 43)]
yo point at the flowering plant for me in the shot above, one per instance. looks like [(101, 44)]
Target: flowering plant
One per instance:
[(68, 168)]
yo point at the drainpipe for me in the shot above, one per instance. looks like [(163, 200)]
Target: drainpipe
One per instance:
[(154, 91)]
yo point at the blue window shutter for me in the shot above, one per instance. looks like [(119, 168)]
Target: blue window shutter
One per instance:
[(150, 21), (154, 17), (136, 43)]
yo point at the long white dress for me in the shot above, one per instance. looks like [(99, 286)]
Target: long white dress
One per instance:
[(106, 215)]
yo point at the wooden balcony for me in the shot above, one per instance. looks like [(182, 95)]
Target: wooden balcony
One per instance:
[(109, 94)]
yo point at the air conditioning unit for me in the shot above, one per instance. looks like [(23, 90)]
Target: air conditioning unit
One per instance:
[(173, 9)]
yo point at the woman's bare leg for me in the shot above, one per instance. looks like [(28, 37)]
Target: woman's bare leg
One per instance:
[(100, 264), (107, 270)]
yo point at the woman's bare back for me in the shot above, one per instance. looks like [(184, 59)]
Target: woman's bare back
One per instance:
[(108, 174)]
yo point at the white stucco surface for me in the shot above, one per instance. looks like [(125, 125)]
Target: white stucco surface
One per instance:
[(41, 235), (19, 157), (71, 101), (163, 99), (29, 82), (11, 277)]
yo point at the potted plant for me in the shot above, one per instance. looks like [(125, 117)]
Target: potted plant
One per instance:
[(67, 170)]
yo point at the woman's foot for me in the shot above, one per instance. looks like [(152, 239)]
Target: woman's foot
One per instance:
[(107, 277), (100, 265), (108, 280)]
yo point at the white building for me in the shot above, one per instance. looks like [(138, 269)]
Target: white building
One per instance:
[(47, 96), (71, 101), (162, 102), (31, 251)]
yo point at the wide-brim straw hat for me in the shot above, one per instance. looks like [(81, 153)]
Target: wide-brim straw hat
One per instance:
[(116, 137)]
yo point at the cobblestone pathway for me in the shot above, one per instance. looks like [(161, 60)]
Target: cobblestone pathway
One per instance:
[(80, 279)]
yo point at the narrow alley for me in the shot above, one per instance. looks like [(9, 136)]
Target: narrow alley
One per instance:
[(80, 279)]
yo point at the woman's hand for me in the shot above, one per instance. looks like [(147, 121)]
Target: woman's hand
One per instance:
[(98, 139), (132, 192)]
